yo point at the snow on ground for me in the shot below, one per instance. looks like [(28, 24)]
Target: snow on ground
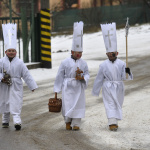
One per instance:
[(93, 45), (46, 131), (134, 131)]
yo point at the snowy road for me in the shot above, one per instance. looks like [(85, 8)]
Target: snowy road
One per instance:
[(43, 130)]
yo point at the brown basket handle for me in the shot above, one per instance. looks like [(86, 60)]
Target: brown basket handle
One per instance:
[(55, 95)]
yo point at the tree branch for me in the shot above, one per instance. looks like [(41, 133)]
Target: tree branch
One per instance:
[(7, 6), (146, 2)]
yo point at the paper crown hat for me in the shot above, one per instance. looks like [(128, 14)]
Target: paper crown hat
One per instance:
[(109, 36), (77, 43), (10, 36)]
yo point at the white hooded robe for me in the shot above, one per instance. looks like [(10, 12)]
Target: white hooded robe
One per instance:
[(73, 96), (11, 97), (110, 78)]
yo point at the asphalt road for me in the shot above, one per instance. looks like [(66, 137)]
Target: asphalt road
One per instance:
[(42, 130)]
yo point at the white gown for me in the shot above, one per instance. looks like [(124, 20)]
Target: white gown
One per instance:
[(73, 96), (11, 97), (110, 78)]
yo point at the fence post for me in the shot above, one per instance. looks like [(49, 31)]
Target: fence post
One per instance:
[(10, 10), (33, 35), (37, 27), (45, 39), (24, 34)]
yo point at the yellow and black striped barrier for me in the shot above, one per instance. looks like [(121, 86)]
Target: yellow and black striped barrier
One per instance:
[(45, 39)]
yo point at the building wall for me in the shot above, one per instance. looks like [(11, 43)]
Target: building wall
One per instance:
[(55, 5), (85, 3), (97, 3), (58, 4)]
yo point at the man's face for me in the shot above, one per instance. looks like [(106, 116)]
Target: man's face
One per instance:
[(112, 55), (76, 55), (11, 53)]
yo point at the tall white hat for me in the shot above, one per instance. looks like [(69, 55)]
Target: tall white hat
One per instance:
[(10, 36), (77, 43), (109, 36)]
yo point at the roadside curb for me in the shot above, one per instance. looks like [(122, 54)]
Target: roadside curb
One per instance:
[(33, 65)]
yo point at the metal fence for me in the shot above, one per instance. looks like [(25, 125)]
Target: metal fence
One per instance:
[(138, 13), (64, 20), (18, 21), (25, 54)]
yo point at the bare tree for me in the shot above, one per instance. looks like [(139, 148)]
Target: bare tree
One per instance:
[(131, 1), (68, 3), (91, 16), (120, 1), (18, 4), (102, 2), (6, 4), (147, 2), (111, 2)]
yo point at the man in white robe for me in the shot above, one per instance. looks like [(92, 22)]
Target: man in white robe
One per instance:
[(11, 96), (73, 96), (110, 78)]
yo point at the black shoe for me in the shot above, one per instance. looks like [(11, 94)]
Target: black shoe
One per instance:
[(18, 126), (5, 125)]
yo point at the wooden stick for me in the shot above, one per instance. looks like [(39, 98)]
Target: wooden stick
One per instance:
[(126, 52), (126, 55), (127, 29)]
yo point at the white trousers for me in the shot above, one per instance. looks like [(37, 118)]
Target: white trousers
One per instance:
[(74, 121), (6, 118), (112, 121)]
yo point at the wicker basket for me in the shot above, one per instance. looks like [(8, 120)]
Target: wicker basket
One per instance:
[(55, 104)]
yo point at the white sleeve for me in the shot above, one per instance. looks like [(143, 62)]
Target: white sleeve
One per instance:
[(1, 70), (59, 78), (98, 83), (28, 78), (86, 76)]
